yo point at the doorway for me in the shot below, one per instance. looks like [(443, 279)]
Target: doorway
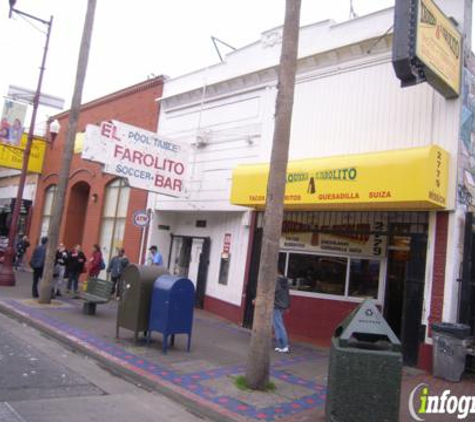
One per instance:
[(76, 214), (189, 257), (405, 292)]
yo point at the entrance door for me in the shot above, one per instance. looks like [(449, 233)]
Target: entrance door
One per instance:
[(76, 214), (189, 257), (195, 257), (405, 292), (411, 329)]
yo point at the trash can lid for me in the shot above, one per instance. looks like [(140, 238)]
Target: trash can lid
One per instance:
[(366, 319), (455, 329)]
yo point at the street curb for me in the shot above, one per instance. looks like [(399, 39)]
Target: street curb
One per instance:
[(181, 397)]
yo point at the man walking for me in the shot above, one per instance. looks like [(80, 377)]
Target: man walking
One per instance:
[(281, 304), (37, 263), (116, 266)]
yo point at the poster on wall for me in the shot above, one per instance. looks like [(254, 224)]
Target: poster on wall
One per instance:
[(12, 125), (343, 240), (145, 159)]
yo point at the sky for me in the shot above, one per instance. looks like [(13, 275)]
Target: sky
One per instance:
[(133, 40)]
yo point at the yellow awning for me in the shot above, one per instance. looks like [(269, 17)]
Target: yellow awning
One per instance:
[(406, 179)]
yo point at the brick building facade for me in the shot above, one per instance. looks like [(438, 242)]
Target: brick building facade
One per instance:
[(85, 195)]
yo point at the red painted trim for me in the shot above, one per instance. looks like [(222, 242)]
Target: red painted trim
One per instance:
[(425, 357), (247, 269), (223, 309)]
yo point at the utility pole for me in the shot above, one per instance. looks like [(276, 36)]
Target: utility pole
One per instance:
[(59, 197), (258, 362), (7, 276)]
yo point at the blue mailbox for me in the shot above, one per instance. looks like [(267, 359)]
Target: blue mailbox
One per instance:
[(171, 310)]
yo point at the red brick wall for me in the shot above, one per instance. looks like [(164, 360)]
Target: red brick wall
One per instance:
[(438, 275), (438, 285), (137, 106)]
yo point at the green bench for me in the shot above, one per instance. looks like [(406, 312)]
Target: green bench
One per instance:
[(97, 291)]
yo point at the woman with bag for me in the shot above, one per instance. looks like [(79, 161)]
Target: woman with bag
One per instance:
[(75, 266), (95, 262)]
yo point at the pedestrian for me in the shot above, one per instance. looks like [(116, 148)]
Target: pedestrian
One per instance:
[(75, 266), (115, 268), (60, 263), (156, 258), (95, 261), (281, 304), (37, 262), (22, 245)]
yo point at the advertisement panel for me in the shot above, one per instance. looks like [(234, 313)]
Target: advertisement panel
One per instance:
[(12, 124), (147, 160), (439, 45), (12, 156), (350, 239)]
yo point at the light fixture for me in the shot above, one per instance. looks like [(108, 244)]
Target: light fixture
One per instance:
[(94, 197), (54, 128)]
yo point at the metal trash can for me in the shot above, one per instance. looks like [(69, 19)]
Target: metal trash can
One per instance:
[(171, 310), (449, 351), (134, 305), (365, 369)]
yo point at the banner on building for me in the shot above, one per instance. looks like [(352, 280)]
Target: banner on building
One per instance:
[(12, 156), (12, 125), (147, 160), (350, 239)]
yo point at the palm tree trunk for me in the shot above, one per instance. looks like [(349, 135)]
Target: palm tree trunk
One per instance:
[(258, 362), (59, 197)]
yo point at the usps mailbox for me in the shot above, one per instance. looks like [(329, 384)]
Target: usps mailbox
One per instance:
[(171, 309)]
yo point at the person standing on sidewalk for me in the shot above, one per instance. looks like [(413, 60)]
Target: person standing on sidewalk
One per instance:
[(281, 304), (156, 257), (115, 268), (95, 261), (59, 269), (37, 262), (75, 266), (22, 245)]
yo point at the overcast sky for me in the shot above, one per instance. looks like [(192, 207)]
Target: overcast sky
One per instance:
[(134, 39)]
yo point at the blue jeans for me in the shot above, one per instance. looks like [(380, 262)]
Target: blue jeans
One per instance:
[(279, 329), (73, 281)]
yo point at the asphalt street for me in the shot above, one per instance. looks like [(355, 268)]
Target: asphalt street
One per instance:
[(42, 381)]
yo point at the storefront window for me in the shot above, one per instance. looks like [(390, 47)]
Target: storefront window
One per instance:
[(364, 278), (116, 202), (47, 210), (333, 275)]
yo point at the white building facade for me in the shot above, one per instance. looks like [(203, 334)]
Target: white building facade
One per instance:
[(387, 228)]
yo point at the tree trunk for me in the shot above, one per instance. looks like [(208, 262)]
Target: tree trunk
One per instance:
[(258, 362), (59, 197)]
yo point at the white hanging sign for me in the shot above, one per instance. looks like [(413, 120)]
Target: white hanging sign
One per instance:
[(147, 160)]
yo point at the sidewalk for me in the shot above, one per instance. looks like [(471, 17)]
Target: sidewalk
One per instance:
[(202, 380)]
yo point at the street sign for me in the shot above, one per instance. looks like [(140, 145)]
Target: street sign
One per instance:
[(141, 219)]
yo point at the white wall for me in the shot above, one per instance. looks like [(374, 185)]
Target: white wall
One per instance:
[(218, 224)]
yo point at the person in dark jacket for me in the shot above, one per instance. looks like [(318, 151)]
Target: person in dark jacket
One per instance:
[(281, 304), (75, 266), (115, 268), (37, 262)]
